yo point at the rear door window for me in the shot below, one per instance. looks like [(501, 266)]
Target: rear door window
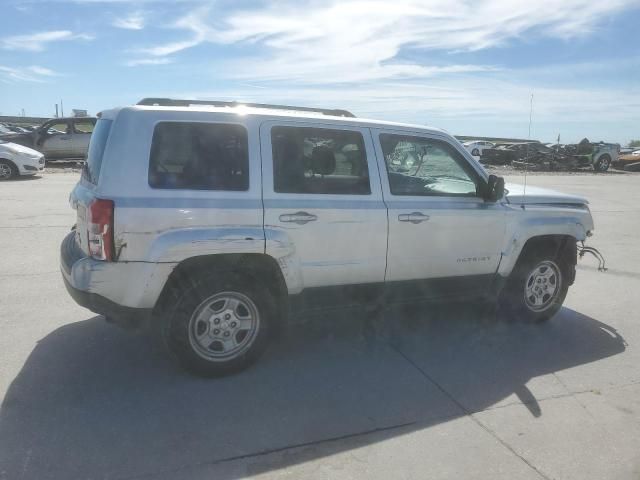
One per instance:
[(199, 156), (319, 161)]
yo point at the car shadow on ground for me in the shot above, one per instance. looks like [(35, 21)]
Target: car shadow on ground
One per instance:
[(93, 401), (26, 178)]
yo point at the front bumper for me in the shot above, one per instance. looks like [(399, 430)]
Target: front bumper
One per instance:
[(77, 270), (30, 165)]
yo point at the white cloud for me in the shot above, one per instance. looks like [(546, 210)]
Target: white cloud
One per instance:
[(134, 21), (33, 73), (148, 61), (37, 42), (356, 41), (196, 22)]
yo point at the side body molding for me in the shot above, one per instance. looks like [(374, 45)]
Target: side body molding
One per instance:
[(179, 245)]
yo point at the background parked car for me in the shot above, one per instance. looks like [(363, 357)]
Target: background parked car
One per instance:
[(19, 160), (58, 138), (476, 147)]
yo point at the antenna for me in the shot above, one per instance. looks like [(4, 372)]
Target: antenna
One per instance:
[(526, 163)]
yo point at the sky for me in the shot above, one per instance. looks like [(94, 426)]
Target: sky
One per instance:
[(468, 66)]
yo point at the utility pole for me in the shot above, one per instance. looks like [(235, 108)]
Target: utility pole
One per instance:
[(61, 109), (56, 110)]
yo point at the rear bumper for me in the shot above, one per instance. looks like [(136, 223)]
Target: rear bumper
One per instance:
[(82, 275), (126, 317)]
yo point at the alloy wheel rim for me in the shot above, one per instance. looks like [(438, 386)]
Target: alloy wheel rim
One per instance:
[(224, 326), (542, 286), (5, 170)]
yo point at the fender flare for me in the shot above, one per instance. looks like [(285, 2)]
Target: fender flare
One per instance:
[(538, 227)]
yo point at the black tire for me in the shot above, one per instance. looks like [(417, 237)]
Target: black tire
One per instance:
[(515, 304), (184, 323), (603, 163), (7, 170), (475, 152)]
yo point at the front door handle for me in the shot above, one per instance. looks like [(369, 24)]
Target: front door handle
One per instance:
[(299, 217), (415, 217)]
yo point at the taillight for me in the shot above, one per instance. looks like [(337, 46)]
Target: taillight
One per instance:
[(100, 229)]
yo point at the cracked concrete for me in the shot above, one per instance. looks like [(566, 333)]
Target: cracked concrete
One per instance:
[(448, 394)]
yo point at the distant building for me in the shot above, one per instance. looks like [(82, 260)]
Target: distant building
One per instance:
[(79, 113)]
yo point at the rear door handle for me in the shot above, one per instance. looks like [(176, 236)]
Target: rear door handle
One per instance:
[(299, 217), (415, 217)]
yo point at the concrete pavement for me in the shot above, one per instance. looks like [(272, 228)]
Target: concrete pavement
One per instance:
[(452, 395)]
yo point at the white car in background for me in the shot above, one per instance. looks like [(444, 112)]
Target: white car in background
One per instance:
[(19, 160), (475, 147)]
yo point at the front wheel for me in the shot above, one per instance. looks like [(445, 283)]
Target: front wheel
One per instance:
[(536, 289), (7, 170), (220, 325)]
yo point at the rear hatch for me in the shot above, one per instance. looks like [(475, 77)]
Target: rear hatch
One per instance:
[(84, 197)]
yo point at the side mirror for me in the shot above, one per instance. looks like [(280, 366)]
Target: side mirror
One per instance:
[(495, 188)]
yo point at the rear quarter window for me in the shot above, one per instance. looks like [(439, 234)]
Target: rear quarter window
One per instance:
[(199, 156), (96, 149)]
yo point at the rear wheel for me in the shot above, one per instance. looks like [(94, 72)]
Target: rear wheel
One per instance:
[(7, 170), (475, 152), (536, 288), (602, 164), (220, 325)]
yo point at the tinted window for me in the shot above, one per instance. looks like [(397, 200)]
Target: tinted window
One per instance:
[(423, 166), (319, 161), (202, 156), (96, 149)]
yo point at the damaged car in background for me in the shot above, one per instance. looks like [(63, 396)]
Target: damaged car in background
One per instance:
[(58, 138), (537, 156), (630, 161)]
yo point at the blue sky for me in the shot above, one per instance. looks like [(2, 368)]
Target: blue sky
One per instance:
[(467, 66)]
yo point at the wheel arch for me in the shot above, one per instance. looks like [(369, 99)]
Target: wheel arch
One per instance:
[(561, 246), (598, 158), (11, 162), (260, 267)]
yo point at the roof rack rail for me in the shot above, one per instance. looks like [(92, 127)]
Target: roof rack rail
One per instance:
[(173, 102)]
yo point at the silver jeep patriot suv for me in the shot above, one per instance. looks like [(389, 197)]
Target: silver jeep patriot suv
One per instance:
[(211, 220)]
